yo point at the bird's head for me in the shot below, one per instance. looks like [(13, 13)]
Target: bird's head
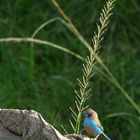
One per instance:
[(90, 113)]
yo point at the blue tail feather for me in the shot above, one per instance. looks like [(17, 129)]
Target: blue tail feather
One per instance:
[(106, 136)]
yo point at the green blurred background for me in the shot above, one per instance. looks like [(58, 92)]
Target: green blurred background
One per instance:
[(51, 90)]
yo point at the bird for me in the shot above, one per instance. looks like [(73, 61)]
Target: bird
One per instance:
[(93, 125)]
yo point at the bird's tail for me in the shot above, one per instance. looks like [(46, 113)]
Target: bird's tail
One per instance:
[(104, 136)]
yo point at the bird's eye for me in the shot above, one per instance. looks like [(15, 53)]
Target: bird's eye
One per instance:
[(89, 115)]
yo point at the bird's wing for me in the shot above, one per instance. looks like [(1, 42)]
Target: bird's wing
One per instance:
[(99, 123)]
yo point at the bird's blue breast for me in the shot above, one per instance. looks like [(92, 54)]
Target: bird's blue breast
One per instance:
[(88, 123)]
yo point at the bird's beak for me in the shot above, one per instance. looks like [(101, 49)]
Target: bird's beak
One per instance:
[(84, 113)]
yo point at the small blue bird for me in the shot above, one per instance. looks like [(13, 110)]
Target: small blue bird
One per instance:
[(93, 125)]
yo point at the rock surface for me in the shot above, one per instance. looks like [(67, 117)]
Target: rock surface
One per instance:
[(29, 125)]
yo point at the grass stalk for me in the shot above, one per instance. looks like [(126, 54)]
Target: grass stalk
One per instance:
[(86, 44), (38, 41), (86, 83)]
